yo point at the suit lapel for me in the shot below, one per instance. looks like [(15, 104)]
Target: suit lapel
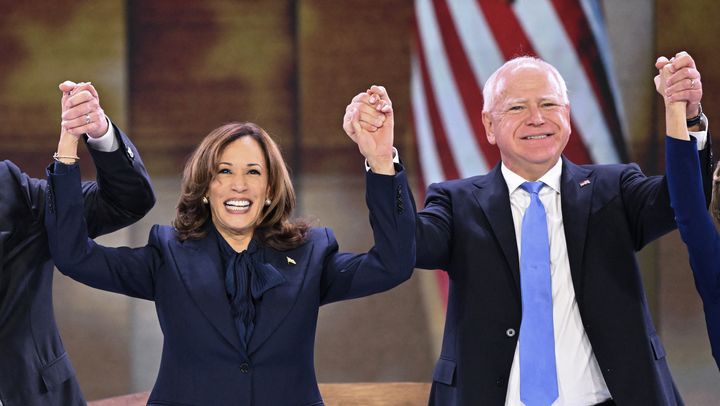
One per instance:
[(493, 197), (277, 302), (198, 263), (4, 235), (576, 198)]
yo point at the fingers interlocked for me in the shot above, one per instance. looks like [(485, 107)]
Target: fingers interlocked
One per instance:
[(81, 111)]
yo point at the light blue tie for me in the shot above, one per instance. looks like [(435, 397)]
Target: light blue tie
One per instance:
[(538, 376)]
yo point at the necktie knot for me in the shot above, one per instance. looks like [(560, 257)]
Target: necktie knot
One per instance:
[(532, 187)]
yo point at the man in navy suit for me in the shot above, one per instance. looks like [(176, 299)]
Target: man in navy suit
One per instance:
[(607, 350), (34, 367)]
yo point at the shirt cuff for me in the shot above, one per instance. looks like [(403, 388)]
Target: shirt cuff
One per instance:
[(396, 159), (107, 143), (701, 136)]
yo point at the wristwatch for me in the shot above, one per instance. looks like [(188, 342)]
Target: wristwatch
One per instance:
[(698, 120)]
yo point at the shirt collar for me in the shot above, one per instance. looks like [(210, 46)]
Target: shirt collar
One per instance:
[(551, 178)]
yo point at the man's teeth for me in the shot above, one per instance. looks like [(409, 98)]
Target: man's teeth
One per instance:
[(535, 137), (238, 203)]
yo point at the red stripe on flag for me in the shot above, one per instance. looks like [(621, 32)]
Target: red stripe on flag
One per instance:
[(512, 41), (443, 148), (578, 30), (466, 83), (509, 34)]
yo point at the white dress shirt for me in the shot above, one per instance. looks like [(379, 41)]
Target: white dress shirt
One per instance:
[(106, 143), (580, 381)]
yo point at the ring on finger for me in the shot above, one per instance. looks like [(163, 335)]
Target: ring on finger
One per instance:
[(88, 120), (692, 83)]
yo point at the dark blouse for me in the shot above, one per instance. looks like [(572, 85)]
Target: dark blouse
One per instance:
[(247, 278)]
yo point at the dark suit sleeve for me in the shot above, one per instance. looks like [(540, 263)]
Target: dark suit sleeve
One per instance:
[(122, 270), (647, 201), (122, 194), (23, 196), (646, 204), (390, 261), (696, 229), (434, 229)]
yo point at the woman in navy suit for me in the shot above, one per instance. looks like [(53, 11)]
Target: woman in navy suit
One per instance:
[(237, 283), (688, 200)]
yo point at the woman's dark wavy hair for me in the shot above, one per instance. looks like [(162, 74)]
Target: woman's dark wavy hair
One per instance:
[(274, 227), (715, 199)]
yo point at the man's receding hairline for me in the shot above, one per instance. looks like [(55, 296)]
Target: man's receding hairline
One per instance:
[(514, 65)]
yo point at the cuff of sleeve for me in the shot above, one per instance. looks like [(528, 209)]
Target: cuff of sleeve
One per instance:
[(59, 168), (396, 160), (700, 137), (399, 169), (107, 142), (680, 147)]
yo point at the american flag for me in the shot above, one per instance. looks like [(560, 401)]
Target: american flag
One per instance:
[(460, 43)]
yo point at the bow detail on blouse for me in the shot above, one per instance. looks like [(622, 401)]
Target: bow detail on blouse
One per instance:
[(247, 278)]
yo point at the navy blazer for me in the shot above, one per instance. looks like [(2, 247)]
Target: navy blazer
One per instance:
[(697, 230), (34, 367), (467, 229), (202, 361)]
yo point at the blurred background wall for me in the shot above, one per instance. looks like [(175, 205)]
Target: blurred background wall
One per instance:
[(168, 72)]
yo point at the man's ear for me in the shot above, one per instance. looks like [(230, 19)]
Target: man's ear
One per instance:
[(489, 128)]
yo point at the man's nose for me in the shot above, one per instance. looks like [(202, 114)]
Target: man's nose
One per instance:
[(535, 116)]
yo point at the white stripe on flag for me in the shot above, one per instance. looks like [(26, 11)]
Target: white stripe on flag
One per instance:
[(592, 11), (545, 30), (477, 39), (429, 159), (466, 152)]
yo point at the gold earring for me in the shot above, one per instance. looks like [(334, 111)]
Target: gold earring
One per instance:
[(267, 202), (205, 200)]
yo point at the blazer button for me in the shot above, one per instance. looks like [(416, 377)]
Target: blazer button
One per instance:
[(244, 367), (500, 382), (510, 332)]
